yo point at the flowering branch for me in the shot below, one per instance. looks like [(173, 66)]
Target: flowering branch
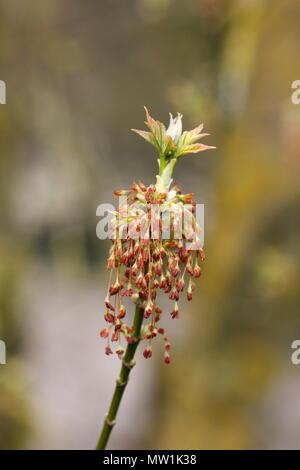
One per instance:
[(121, 382), (142, 260)]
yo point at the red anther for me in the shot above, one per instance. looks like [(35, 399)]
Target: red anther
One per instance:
[(146, 253), (189, 268), (153, 294), (134, 270), (110, 263), (197, 271), (120, 351), (142, 186), (180, 285), (183, 255), (122, 312), (187, 197), (144, 295), (120, 192), (113, 290), (127, 292), (167, 358), (139, 280), (104, 333), (135, 187), (162, 282), (109, 305), (149, 308), (161, 331), (175, 311), (124, 259), (168, 288), (175, 271), (174, 295), (151, 335), (147, 352), (127, 274), (174, 268), (158, 269), (109, 317), (115, 336), (168, 278)]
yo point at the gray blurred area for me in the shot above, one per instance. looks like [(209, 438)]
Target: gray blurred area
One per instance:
[(77, 76)]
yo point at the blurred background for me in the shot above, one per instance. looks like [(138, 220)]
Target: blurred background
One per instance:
[(77, 76)]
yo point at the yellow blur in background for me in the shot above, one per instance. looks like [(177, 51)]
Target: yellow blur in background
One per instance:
[(77, 76)]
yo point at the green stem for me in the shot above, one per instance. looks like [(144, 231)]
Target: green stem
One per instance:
[(163, 180), (122, 380)]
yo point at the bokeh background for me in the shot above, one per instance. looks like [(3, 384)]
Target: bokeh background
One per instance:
[(77, 75)]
